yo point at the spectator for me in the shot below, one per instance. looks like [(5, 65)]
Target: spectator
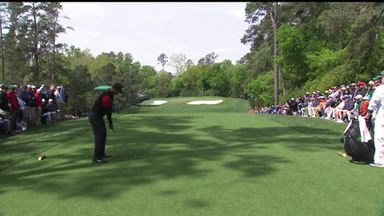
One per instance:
[(369, 90), (39, 105), (4, 102), (14, 109), (60, 97)]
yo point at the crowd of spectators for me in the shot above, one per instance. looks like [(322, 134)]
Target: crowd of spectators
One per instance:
[(27, 106), (338, 103)]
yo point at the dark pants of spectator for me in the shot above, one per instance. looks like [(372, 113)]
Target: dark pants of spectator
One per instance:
[(13, 120), (100, 135)]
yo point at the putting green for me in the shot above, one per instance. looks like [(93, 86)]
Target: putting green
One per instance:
[(178, 159)]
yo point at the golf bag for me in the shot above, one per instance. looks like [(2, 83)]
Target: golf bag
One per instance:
[(354, 147)]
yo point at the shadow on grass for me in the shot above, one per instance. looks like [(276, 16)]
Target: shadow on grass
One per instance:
[(145, 150)]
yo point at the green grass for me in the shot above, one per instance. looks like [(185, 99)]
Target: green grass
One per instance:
[(178, 159)]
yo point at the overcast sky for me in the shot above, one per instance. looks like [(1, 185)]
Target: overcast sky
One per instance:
[(148, 29)]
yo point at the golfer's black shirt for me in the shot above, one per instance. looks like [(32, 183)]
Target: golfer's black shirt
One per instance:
[(101, 106)]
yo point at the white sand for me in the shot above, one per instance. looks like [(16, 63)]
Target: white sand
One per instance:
[(158, 102), (208, 102)]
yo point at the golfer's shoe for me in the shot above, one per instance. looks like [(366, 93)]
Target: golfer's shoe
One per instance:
[(99, 161), (107, 156), (376, 165)]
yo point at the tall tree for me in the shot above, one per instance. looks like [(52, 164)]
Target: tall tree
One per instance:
[(54, 28), (162, 59), (178, 61), (35, 13), (3, 23)]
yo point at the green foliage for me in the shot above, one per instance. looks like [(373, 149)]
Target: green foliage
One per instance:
[(261, 89)]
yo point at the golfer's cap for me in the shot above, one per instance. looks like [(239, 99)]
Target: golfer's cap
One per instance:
[(377, 77), (353, 84), (371, 83), (345, 96), (365, 98), (326, 91), (343, 88), (359, 96), (118, 86), (321, 97), (307, 93), (381, 73), (33, 86)]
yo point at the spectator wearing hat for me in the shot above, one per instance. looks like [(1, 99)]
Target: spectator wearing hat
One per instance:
[(30, 105), (329, 107), (369, 90), (51, 95), (347, 109), (320, 108), (60, 101), (377, 80)]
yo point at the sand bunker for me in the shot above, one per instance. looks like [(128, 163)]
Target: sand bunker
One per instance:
[(209, 102), (158, 102)]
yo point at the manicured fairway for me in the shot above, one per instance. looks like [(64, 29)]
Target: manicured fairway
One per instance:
[(179, 159)]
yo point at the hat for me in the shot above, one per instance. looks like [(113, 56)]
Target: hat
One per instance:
[(307, 93), (50, 100), (118, 86), (353, 84), (326, 91), (347, 87), (321, 97), (371, 83), (32, 86), (377, 77), (365, 98), (359, 96), (381, 73), (343, 88), (361, 83)]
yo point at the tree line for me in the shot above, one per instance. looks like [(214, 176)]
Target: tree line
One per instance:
[(295, 47), (309, 46)]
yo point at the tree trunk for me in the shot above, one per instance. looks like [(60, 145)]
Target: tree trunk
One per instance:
[(275, 67), (54, 51), (283, 84), (35, 51), (2, 49)]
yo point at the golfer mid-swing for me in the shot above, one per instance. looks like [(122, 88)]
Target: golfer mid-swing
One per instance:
[(102, 107)]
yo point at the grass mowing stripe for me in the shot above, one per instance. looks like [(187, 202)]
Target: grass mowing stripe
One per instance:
[(280, 121)]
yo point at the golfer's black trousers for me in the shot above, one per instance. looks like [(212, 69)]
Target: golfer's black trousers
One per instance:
[(100, 134)]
